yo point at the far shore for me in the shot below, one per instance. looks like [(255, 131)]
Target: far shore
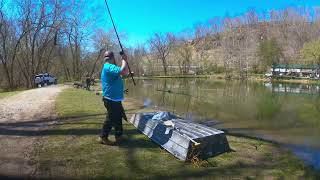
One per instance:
[(216, 77), (251, 77)]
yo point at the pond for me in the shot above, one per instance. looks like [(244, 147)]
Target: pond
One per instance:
[(288, 114)]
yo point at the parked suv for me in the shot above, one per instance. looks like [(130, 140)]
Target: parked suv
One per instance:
[(44, 80)]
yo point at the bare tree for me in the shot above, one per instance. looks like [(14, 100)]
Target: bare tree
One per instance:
[(202, 44), (51, 35), (161, 46), (102, 41), (76, 33), (137, 56), (11, 38), (40, 26), (228, 44), (184, 56)]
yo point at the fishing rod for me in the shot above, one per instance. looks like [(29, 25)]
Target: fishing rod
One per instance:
[(122, 51)]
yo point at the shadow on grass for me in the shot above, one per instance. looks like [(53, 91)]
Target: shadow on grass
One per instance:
[(16, 177), (236, 170), (131, 147), (36, 128), (48, 121), (75, 132), (40, 127), (233, 171)]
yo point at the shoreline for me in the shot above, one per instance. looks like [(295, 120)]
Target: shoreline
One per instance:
[(216, 77), (256, 78)]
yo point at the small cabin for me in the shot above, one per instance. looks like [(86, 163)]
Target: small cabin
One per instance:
[(296, 70)]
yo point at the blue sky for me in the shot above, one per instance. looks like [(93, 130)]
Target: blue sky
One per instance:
[(139, 19)]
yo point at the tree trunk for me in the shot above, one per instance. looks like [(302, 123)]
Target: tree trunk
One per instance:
[(164, 64)]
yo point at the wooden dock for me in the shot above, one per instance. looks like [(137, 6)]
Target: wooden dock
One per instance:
[(184, 139)]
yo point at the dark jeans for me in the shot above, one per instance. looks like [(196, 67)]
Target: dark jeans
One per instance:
[(113, 118)]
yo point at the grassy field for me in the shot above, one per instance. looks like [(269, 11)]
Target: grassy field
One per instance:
[(7, 94), (70, 151)]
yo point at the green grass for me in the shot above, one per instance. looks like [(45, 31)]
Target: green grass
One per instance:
[(7, 94), (70, 150)]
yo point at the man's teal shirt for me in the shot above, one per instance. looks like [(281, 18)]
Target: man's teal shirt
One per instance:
[(112, 84)]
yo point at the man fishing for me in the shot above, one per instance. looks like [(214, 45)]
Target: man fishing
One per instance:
[(112, 87)]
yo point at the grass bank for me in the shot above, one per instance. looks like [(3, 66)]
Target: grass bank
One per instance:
[(7, 94), (71, 151)]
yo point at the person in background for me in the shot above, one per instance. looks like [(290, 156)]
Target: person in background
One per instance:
[(88, 81), (93, 80), (113, 95)]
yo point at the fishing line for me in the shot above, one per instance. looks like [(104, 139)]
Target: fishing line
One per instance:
[(122, 51)]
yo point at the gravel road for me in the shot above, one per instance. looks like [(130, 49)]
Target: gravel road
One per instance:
[(22, 118)]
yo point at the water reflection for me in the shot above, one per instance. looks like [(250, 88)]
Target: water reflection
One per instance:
[(293, 88), (257, 109)]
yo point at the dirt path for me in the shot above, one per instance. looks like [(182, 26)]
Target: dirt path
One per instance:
[(22, 117)]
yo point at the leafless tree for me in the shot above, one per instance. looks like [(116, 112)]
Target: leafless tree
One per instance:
[(54, 35), (161, 45), (183, 56), (40, 22), (136, 59)]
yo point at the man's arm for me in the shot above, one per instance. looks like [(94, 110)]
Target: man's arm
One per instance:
[(124, 66)]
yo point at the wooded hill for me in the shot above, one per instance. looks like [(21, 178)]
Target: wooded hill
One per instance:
[(57, 37), (240, 45)]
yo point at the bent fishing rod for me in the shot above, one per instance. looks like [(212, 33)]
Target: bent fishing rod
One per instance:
[(122, 51)]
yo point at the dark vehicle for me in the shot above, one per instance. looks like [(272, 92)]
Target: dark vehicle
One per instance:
[(45, 80)]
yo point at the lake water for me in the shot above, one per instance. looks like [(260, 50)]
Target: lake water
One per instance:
[(285, 113)]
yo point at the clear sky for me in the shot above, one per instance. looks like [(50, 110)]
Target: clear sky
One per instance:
[(139, 19)]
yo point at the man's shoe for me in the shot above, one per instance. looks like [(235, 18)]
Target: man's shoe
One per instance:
[(121, 139), (106, 141)]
